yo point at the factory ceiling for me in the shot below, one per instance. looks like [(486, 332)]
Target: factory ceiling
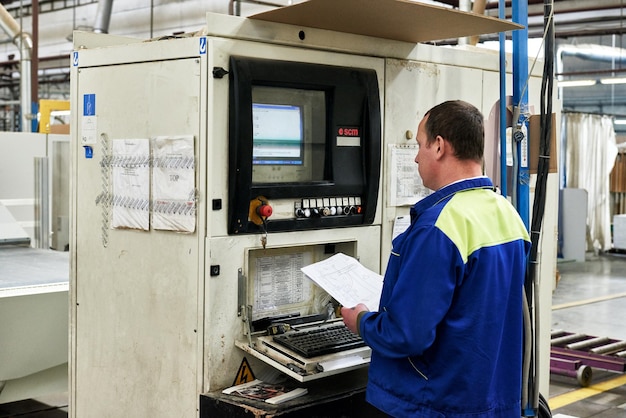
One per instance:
[(571, 17), (590, 37)]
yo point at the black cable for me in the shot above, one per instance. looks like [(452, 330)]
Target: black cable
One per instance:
[(544, 408), (543, 168)]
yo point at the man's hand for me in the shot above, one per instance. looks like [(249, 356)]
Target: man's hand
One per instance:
[(350, 316)]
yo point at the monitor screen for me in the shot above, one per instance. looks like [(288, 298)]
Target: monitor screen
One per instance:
[(288, 135), (277, 134)]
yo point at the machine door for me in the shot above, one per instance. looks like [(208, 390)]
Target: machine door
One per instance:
[(136, 313)]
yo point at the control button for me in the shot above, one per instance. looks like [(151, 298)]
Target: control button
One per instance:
[(326, 211), (259, 210), (346, 210), (307, 213), (264, 211), (333, 211), (299, 213), (315, 212)]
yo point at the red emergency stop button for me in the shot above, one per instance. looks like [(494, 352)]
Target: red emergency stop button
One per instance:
[(264, 211)]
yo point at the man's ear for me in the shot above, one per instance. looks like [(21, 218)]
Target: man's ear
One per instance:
[(440, 143)]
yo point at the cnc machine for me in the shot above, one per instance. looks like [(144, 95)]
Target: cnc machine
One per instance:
[(207, 171)]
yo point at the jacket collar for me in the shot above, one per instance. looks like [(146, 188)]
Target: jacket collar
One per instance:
[(447, 191)]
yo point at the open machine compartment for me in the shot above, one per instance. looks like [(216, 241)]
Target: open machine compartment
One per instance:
[(302, 306)]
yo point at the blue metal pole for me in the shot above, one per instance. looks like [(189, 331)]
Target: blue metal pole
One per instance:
[(34, 123), (520, 101), (502, 39)]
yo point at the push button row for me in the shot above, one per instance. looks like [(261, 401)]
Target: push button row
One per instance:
[(327, 206)]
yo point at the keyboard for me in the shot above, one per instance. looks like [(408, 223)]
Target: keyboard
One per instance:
[(318, 341)]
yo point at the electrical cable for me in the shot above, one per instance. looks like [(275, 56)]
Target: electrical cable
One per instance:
[(531, 287), (544, 408), (527, 349)]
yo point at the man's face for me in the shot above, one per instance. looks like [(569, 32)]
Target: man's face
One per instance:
[(426, 154)]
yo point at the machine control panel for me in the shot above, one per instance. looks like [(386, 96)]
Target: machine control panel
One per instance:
[(306, 136), (328, 206)]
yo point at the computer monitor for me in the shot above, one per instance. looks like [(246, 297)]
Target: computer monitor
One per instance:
[(304, 132)]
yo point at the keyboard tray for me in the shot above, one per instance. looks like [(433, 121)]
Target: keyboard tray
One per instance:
[(319, 341)]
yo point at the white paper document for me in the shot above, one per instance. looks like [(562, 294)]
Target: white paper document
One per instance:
[(173, 183), (400, 224), (279, 282), (89, 130), (130, 170), (347, 280), (405, 184)]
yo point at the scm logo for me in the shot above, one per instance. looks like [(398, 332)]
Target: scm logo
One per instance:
[(349, 131)]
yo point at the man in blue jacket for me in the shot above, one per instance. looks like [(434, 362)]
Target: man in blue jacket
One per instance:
[(447, 340)]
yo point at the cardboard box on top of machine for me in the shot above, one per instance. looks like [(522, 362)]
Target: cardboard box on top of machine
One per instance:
[(400, 20)]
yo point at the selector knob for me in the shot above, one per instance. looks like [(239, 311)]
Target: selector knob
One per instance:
[(326, 212), (299, 213), (346, 210), (333, 210), (315, 212), (307, 213)]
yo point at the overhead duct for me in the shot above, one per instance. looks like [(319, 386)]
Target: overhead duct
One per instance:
[(103, 16), (24, 43), (589, 52)]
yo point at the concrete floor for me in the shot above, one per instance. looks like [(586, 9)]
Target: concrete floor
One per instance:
[(590, 298)]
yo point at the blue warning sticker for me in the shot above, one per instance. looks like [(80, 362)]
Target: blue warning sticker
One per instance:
[(89, 105)]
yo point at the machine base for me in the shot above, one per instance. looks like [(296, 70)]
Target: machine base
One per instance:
[(334, 397)]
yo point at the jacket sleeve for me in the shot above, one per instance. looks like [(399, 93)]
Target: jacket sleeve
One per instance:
[(418, 290)]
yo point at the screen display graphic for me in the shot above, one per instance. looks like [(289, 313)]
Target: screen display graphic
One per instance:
[(277, 134)]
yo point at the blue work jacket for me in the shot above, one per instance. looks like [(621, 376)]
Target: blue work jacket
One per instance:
[(447, 340)]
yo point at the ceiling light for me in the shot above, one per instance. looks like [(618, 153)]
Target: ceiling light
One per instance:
[(614, 80), (619, 121), (577, 83)]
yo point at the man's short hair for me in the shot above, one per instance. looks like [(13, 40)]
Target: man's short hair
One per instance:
[(461, 124)]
